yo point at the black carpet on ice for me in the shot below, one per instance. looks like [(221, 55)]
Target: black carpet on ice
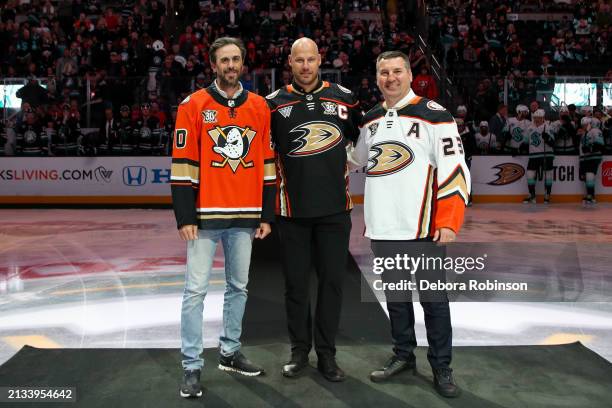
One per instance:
[(568, 375)]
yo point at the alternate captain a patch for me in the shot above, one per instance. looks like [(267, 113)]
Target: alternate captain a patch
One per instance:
[(314, 138), (388, 158), (232, 143)]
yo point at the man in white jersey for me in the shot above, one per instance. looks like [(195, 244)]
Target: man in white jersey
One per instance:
[(515, 130), (541, 156), (417, 187)]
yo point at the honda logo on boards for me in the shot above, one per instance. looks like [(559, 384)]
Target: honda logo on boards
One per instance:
[(134, 175)]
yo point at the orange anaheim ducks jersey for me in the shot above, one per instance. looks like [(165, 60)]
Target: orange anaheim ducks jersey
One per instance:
[(223, 173)]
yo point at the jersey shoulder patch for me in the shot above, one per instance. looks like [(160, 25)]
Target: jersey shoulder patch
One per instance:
[(428, 111), (433, 105), (343, 89), (279, 97), (273, 94), (194, 96)]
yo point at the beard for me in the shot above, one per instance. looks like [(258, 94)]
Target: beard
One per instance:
[(226, 82)]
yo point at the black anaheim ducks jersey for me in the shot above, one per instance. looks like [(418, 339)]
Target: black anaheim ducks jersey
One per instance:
[(310, 131)]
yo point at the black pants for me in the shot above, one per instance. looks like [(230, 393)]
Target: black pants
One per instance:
[(434, 303), (324, 242)]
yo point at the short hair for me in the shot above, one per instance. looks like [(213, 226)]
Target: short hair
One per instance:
[(222, 42), (393, 54)]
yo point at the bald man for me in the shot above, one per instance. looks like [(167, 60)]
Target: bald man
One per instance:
[(312, 121)]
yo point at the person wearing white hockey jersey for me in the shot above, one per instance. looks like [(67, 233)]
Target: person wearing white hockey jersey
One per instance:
[(591, 149), (416, 191), (486, 142), (515, 130), (541, 155)]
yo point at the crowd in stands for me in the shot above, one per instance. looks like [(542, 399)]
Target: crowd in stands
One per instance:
[(100, 72), (498, 61), (92, 60), (482, 47)]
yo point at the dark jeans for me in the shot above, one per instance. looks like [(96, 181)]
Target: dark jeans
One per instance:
[(434, 303), (324, 242)]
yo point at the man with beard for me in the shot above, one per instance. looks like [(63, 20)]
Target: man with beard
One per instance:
[(312, 122), (223, 185)]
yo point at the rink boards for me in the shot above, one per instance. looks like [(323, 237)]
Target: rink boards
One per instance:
[(146, 180)]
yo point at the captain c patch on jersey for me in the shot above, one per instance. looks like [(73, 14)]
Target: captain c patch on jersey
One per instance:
[(388, 158), (232, 143), (314, 138)]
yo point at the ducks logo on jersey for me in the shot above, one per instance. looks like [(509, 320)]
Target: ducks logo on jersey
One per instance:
[(388, 158), (232, 143), (314, 138)]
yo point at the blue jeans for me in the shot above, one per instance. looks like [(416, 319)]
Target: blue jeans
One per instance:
[(237, 244)]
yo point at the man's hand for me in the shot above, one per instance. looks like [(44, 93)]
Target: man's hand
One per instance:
[(188, 232), (263, 230), (444, 235)]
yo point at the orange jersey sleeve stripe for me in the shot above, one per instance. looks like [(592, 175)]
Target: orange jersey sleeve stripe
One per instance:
[(449, 212)]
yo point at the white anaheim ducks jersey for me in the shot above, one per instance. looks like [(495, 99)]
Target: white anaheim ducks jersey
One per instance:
[(538, 147), (416, 178), (518, 131)]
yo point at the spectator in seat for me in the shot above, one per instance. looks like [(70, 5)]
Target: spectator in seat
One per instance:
[(424, 84)]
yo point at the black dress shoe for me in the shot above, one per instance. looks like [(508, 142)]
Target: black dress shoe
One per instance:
[(329, 368), (445, 383), (393, 366), (295, 366)]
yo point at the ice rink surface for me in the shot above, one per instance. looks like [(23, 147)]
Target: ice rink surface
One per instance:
[(114, 278)]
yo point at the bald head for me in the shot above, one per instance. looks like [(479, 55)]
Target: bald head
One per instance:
[(304, 44), (305, 61)]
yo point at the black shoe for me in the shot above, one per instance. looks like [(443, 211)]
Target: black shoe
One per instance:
[(393, 366), (296, 365), (238, 363), (329, 368), (445, 383), (191, 384)]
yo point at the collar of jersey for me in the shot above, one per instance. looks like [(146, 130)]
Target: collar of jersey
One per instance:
[(223, 93), (221, 98), (300, 91), (402, 102)]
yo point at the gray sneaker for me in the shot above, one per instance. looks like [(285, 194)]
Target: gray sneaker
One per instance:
[(191, 387)]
